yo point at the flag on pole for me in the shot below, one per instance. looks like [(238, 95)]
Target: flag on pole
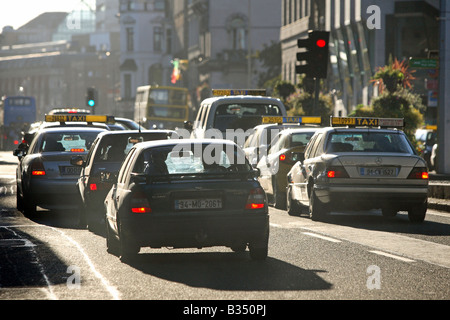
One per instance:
[(176, 71)]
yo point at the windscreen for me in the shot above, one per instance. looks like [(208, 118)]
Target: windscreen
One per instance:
[(68, 141), (368, 142), (242, 115), (192, 159)]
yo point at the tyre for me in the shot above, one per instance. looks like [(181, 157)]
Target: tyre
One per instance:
[(388, 212), (292, 207), (19, 202), (279, 197), (259, 249), (317, 210), (417, 213), (29, 208), (112, 244), (128, 250)]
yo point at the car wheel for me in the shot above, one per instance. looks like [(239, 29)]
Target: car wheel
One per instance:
[(29, 208), (417, 213), (128, 251), (317, 210), (19, 202), (388, 212), (279, 197), (292, 206), (112, 244), (259, 249)]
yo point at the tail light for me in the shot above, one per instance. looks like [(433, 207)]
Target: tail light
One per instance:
[(139, 203), (337, 172), (418, 173), (77, 150), (37, 168), (287, 158), (256, 199)]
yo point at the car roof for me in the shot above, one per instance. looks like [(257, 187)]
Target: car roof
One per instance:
[(128, 132), (299, 130), (163, 143), (242, 98), (72, 129), (360, 129)]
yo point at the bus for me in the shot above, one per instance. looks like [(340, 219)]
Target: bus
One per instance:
[(161, 107), (18, 113)]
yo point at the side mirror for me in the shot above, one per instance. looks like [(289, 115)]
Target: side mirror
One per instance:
[(188, 125), (256, 172), (77, 161), (298, 156), (109, 177)]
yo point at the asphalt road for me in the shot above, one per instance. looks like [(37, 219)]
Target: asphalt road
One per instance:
[(352, 256)]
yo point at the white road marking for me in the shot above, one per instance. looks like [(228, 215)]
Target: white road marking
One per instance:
[(381, 253), (111, 289), (322, 237)]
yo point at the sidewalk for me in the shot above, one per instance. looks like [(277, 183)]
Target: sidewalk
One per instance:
[(439, 192)]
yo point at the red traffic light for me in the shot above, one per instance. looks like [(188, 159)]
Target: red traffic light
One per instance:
[(321, 43)]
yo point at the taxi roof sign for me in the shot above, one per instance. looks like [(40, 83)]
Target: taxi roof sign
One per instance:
[(79, 118), (302, 120), (239, 92), (367, 122)]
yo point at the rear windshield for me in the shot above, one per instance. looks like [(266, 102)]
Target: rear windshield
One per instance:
[(243, 116), (114, 148), (68, 141), (192, 159), (368, 142)]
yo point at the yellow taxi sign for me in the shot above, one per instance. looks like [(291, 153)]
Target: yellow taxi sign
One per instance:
[(79, 118), (302, 120), (366, 122), (239, 92), (431, 127)]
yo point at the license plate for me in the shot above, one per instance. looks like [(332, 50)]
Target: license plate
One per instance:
[(70, 171), (190, 204), (378, 172)]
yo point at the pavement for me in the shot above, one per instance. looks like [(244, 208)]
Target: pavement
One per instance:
[(439, 191)]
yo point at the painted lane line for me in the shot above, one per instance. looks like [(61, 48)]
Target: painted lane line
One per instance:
[(322, 237), (51, 295), (381, 253)]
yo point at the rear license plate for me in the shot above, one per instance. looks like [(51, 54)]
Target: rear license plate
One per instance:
[(378, 172), (192, 204), (70, 171)]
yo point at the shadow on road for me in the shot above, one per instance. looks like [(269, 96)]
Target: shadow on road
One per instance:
[(229, 271)]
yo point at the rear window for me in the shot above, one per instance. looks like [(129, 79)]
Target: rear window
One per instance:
[(68, 141), (368, 142), (192, 159), (242, 116), (114, 148)]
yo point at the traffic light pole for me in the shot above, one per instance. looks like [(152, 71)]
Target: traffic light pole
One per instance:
[(316, 95)]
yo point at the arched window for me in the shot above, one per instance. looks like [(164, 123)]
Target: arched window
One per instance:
[(237, 29)]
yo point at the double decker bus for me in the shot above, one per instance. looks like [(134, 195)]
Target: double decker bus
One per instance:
[(161, 106), (18, 113)]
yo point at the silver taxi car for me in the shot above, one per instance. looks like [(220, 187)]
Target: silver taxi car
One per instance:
[(359, 164), (45, 177)]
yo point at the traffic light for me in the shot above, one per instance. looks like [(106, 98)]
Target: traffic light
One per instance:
[(315, 55), (91, 97)]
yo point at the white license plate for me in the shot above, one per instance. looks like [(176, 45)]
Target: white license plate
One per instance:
[(378, 172), (190, 204), (70, 171)]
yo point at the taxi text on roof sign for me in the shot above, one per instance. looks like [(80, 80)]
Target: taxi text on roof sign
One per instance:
[(367, 122), (237, 92), (79, 118), (311, 120)]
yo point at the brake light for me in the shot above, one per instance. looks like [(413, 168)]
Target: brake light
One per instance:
[(139, 203), (337, 172), (418, 173), (256, 199), (93, 187), (77, 150), (282, 157), (37, 168)]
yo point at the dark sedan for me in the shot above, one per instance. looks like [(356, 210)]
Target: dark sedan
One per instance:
[(187, 194)]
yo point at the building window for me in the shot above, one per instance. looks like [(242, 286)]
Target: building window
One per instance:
[(127, 86), (237, 28), (169, 41), (130, 39), (160, 5), (157, 38)]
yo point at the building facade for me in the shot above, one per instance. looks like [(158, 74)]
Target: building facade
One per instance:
[(364, 35)]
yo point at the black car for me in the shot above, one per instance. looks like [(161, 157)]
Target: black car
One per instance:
[(107, 154), (45, 176), (187, 193)]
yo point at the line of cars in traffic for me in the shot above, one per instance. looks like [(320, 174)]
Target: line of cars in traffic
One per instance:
[(155, 188)]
